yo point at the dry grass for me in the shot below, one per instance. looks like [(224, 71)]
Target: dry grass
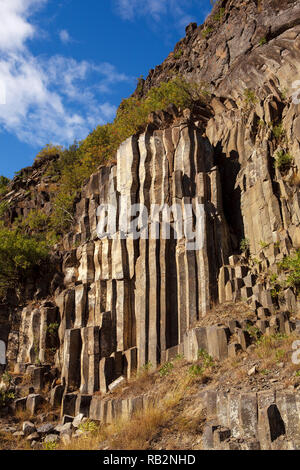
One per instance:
[(137, 432), (274, 349), (295, 179), (226, 311), (10, 442), (23, 415)]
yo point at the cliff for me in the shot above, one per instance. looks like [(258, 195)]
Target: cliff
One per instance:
[(112, 305)]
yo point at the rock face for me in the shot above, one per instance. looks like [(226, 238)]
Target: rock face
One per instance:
[(119, 302)]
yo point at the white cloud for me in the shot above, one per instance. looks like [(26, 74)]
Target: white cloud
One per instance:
[(155, 9), (48, 99), (65, 36), (15, 29)]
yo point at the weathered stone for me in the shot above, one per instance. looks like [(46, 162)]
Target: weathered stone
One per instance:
[(83, 405), (107, 373), (46, 428), (33, 402), (71, 358), (69, 404), (130, 362), (249, 414), (56, 395), (217, 340), (51, 438), (33, 437), (77, 420), (116, 383), (28, 428)]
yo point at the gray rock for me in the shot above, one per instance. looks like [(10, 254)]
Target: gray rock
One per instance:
[(33, 437), (45, 428), (28, 428), (63, 428), (51, 438), (77, 420)]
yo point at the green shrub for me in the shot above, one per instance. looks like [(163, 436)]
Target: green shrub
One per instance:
[(291, 266), (48, 151), (88, 426), (50, 445), (195, 370), (278, 131), (207, 31), (283, 160), (4, 207), (250, 97), (263, 41), (205, 358), (4, 182), (264, 244), (219, 15), (166, 369), (36, 221), (52, 329), (244, 245), (5, 398), (178, 54), (19, 254)]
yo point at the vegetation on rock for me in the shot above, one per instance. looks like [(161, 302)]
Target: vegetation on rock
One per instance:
[(19, 254)]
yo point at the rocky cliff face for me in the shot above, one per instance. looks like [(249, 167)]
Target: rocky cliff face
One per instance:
[(116, 304)]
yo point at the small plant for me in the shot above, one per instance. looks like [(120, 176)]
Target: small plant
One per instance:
[(7, 378), (276, 291), (145, 369), (166, 369), (273, 278), (179, 357), (219, 15), (88, 426), (207, 31), (291, 266), (50, 445), (250, 98), (205, 358), (279, 355), (245, 245), (52, 328), (254, 332), (284, 93), (178, 54), (263, 41), (4, 182), (278, 131), (4, 207), (265, 371), (264, 244), (49, 150), (6, 397), (283, 160), (195, 370), (297, 373)]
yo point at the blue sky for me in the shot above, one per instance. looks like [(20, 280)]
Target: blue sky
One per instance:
[(65, 65)]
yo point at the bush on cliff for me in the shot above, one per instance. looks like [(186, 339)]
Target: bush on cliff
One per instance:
[(48, 151), (4, 182), (291, 266)]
